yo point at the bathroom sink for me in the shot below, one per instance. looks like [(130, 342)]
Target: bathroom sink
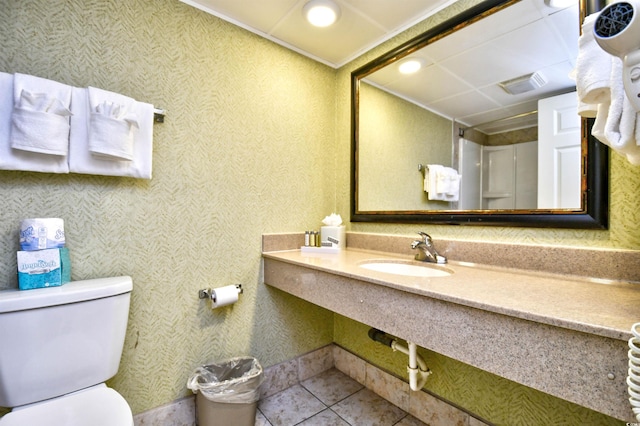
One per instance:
[(411, 269)]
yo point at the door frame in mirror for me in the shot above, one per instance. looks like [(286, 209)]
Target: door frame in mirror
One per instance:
[(594, 213)]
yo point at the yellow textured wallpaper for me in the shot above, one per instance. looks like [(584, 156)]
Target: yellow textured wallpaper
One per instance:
[(388, 175), (256, 140), (246, 148)]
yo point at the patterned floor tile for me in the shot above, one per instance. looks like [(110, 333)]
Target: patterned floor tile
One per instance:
[(261, 420), (367, 408), (290, 407), (331, 386), (325, 418)]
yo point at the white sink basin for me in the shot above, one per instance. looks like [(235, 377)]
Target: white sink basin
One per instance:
[(404, 268)]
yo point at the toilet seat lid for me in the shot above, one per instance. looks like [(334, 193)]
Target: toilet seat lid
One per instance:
[(96, 406)]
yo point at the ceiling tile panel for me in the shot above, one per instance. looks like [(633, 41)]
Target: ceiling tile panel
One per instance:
[(489, 64), (507, 57), (335, 43), (516, 16), (390, 14), (560, 22), (430, 84), (462, 105), (491, 115)]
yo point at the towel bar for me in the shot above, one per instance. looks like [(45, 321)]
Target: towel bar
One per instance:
[(158, 115), (422, 169)]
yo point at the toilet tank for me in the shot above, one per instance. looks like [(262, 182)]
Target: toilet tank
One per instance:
[(58, 340)]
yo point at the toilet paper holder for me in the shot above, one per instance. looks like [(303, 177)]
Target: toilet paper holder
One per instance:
[(207, 293)]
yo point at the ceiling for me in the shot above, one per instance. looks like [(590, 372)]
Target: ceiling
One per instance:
[(467, 65), (363, 24)]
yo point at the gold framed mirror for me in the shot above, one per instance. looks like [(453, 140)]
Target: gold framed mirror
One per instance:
[(457, 113)]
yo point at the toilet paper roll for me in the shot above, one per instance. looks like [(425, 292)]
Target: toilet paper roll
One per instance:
[(41, 234), (224, 296)]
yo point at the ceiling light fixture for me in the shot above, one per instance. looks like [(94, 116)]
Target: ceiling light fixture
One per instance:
[(321, 13), (523, 84), (410, 66)]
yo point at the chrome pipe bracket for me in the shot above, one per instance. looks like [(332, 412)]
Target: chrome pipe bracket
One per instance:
[(205, 293)]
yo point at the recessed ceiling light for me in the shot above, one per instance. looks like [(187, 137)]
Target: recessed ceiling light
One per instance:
[(410, 66), (321, 13)]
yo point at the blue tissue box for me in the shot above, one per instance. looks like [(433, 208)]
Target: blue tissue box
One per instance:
[(43, 268)]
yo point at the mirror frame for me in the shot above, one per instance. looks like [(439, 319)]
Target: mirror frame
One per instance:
[(594, 213)]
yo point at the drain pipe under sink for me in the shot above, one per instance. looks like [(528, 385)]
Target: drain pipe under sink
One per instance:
[(417, 368)]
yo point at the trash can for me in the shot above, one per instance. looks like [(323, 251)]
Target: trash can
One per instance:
[(227, 392)]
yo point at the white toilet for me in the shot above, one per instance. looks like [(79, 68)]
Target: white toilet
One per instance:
[(57, 348)]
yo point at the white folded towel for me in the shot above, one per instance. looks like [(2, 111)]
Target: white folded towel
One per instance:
[(442, 183), (593, 67), (112, 125), (431, 182), (40, 120), (587, 110), (448, 183), (620, 126), (601, 95), (16, 159), (602, 114), (81, 160), (40, 123)]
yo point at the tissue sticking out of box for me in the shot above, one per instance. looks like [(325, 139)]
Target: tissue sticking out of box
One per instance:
[(41, 234), (332, 220)]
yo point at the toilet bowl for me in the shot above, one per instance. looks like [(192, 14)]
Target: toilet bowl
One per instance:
[(59, 346), (95, 406)]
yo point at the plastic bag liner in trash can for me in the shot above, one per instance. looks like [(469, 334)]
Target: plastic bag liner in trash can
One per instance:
[(234, 381)]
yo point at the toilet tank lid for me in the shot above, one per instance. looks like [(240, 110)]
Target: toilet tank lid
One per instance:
[(75, 291)]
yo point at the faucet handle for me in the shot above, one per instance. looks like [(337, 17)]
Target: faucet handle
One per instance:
[(426, 237)]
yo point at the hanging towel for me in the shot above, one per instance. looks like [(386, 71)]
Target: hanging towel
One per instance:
[(431, 182), (16, 159), (448, 183), (40, 118), (620, 126), (442, 183), (113, 125), (81, 160), (602, 114), (40, 123), (593, 68)]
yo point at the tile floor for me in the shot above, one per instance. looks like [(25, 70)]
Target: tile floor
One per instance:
[(330, 399)]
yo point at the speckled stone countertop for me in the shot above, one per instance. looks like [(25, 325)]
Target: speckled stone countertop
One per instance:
[(555, 319), (602, 307)]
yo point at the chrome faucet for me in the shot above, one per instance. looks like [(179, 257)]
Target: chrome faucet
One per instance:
[(426, 250)]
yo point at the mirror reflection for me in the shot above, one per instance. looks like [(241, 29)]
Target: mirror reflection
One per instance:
[(486, 121)]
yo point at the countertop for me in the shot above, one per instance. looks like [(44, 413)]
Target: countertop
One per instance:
[(606, 308)]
